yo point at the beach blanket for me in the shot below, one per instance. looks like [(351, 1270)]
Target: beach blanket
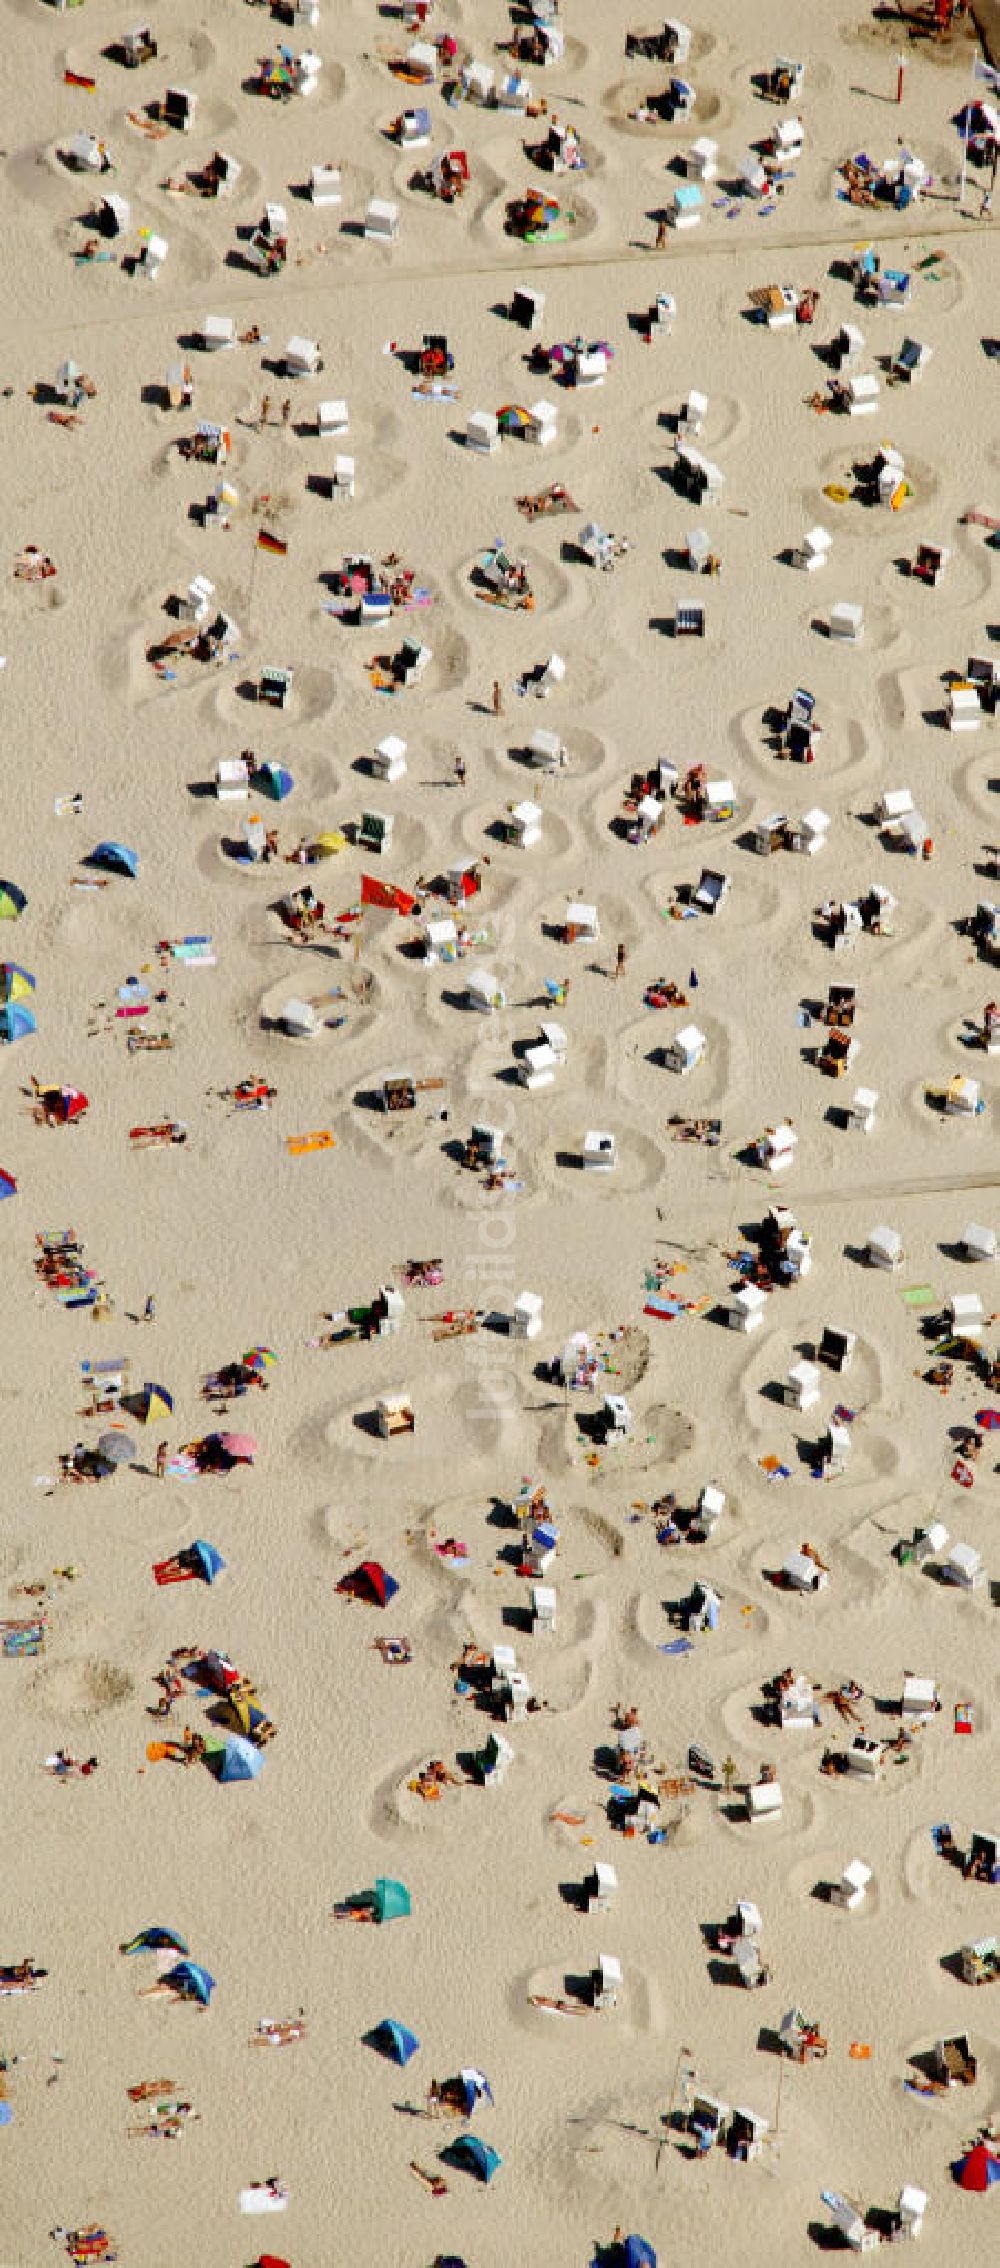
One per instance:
[(182, 1467), (19, 1639), (196, 952)]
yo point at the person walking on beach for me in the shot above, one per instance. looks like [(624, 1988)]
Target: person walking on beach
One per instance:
[(149, 1311), (286, 410), (265, 409), (461, 774), (621, 954), (661, 234)]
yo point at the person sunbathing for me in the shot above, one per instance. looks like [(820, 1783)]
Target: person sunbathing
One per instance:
[(977, 1869), (190, 1749), (424, 1788), (172, 1688), (438, 1772), (279, 2034), (169, 2125), (471, 1657), (64, 1766)]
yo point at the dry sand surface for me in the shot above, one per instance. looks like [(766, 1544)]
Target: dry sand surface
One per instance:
[(242, 1242)]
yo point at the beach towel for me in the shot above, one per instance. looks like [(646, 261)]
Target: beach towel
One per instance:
[(386, 895), (259, 2198), (300, 1145)]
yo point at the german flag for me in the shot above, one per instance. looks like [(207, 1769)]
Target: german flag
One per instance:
[(274, 543), (79, 79)]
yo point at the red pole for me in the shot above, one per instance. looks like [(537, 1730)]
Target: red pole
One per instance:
[(901, 63)]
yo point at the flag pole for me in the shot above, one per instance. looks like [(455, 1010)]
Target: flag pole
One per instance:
[(968, 130)]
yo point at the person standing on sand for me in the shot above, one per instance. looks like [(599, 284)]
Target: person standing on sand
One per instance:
[(161, 1460), (661, 234), (497, 698), (149, 1311), (621, 952), (265, 410)]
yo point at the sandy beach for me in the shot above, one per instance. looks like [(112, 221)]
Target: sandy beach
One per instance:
[(247, 1235)]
